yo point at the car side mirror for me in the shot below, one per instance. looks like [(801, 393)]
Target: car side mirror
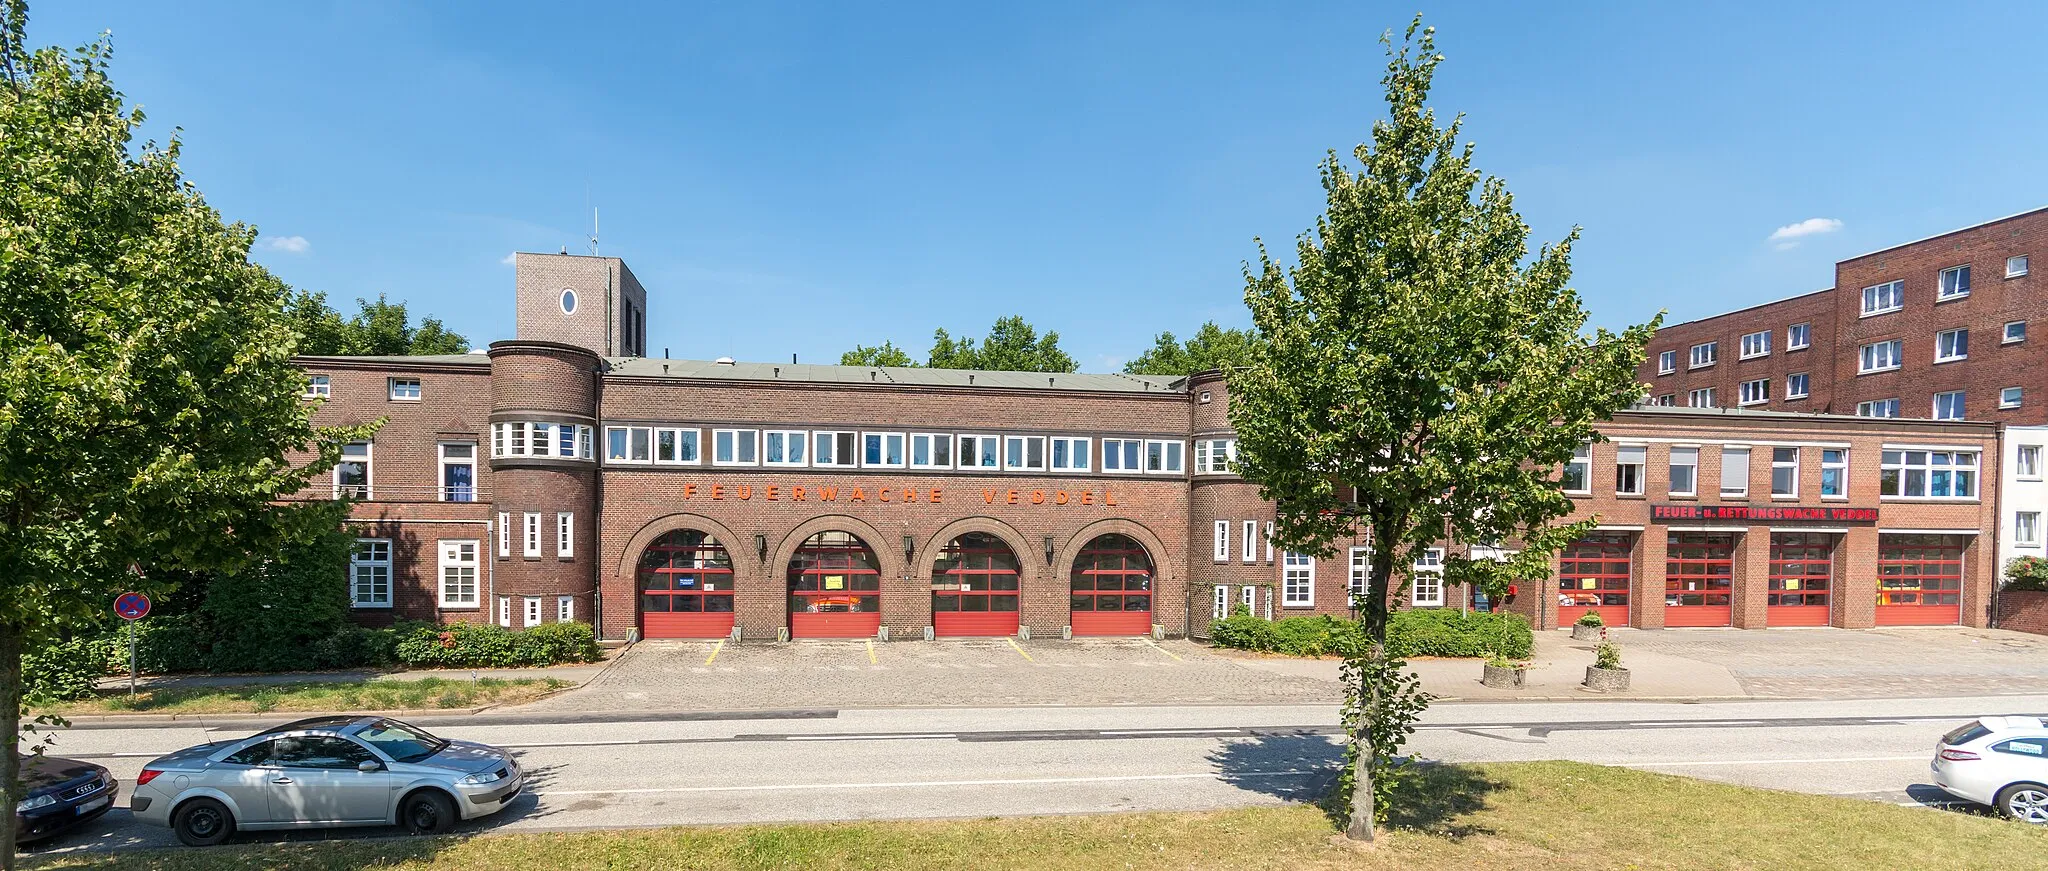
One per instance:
[(368, 765)]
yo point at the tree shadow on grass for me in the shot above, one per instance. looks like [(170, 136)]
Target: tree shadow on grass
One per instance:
[(1303, 767)]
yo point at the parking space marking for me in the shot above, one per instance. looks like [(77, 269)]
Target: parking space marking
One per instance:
[(871, 652), (1020, 650), (1175, 656), (714, 651)]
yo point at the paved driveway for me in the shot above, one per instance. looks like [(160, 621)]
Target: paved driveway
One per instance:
[(1861, 663), (693, 675)]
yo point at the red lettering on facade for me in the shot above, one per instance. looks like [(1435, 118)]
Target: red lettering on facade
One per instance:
[(717, 492), (827, 494), (689, 491), (1087, 497), (882, 495), (857, 496), (935, 496), (1108, 499), (1059, 497), (988, 496), (1038, 497), (770, 495), (744, 491), (1012, 498), (796, 494)]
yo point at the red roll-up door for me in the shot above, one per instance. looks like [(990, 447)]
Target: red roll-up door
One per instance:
[(1593, 575), (1802, 573), (974, 588), (1111, 587), (1699, 576), (1919, 579), (685, 581)]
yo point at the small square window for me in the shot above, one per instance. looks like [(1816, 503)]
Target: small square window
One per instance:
[(2009, 397), (1951, 345), (1955, 282), (317, 387), (1796, 385), (2015, 331), (1948, 406), (1667, 362), (405, 389), (1798, 336), (2016, 266)]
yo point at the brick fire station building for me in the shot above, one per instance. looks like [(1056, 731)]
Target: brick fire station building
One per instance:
[(563, 475)]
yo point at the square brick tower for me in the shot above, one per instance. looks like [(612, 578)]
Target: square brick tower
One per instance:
[(576, 299)]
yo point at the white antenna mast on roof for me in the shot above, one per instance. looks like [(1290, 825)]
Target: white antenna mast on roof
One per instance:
[(593, 231)]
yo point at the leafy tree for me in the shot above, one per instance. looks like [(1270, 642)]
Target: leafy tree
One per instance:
[(1418, 354), (1010, 346), (1211, 347), (887, 354), (152, 414), (381, 328)]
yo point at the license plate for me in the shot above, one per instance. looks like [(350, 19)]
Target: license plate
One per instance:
[(93, 805)]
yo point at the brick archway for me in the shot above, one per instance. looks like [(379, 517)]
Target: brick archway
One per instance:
[(1165, 591), (625, 581), (904, 605), (1035, 596)]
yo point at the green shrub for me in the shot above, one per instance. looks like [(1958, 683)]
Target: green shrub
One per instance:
[(1590, 618), (2027, 573), (67, 670), (550, 643), (170, 644), (1607, 655), (1242, 631), (482, 645), (1420, 632), (273, 616)]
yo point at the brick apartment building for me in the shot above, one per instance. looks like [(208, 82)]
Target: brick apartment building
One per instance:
[(1936, 328), (563, 475)]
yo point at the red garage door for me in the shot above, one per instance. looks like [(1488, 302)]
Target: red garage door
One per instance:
[(1593, 575), (685, 583), (1919, 579), (835, 588), (1802, 566), (1112, 587), (974, 588), (1699, 575)]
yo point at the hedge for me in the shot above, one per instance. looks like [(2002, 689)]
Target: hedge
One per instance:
[(478, 645), (1420, 632)]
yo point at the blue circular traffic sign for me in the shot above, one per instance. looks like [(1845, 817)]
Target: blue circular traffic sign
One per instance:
[(132, 606)]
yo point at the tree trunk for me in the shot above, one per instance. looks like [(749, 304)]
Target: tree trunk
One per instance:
[(1362, 811), (10, 758)]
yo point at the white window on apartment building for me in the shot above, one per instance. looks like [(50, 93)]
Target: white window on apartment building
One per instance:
[(1667, 362), (2015, 331), (1755, 392), (1214, 455), (505, 611), (1955, 282), (1251, 539), (735, 447), (1757, 344), (1734, 472), (1121, 455), (1685, 471), (1704, 354), (1578, 474), (1834, 472), (2016, 266), (532, 612), (1798, 336), (318, 387), (1784, 473), (881, 450), (1881, 298), (458, 472), (1700, 397), (1880, 356), (1948, 405), (1298, 580), (935, 451), (2026, 463), (1796, 385), (841, 449), (369, 572), (1630, 463), (530, 534), (1951, 345), (781, 447), (2010, 397), (1024, 453), (2026, 528), (458, 574), (1072, 455), (404, 389), (1918, 474), (1666, 400), (504, 534), (352, 474), (1426, 590), (1361, 572), (565, 534), (565, 609), (1878, 408)]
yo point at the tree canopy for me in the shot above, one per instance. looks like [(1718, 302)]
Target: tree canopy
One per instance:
[(886, 354), (152, 415), (1012, 345), (381, 328), (1417, 355), (1211, 347)]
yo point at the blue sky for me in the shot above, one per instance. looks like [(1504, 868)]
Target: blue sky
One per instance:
[(792, 178)]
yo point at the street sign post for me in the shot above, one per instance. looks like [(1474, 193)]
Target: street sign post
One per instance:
[(131, 607)]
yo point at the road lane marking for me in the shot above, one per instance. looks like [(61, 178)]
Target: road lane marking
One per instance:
[(868, 737), (1921, 758), (927, 784), (871, 653), (714, 651), (1701, 723), (1020, 650), (1175, 732)]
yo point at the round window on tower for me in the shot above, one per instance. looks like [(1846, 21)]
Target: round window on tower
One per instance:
[(568, 301)]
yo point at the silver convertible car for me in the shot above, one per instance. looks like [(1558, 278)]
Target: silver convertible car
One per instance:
[(324, 771)]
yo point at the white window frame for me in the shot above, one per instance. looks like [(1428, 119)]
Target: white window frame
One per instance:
[(801, 438), (1665, 400), (1702, 355), (681, 439), (585, 437), (1840, 466), (1868, 358), (1080, 454), (1112, 449), (1957, 402), (1248, 596), (369, 567), (1171, 453), (318, 387), (1429, 565), (2008, 336), (932, 442), (967, 452), (1799, 336), (1798, 385), (1214, 455), (882, 440), (1269, 542), (1641, 456), (457, 555), (441, 451), (2026, 528), (540, 438), (530, 614), (1219, 604), (1297, 580), (1951, 345), (1584, 459), (1754, 345), (1667, 362), (2026, 464), (1884, 298), (1360, 561), (392, 385), (1754, 392), (1957, 289), (505, 611), (1251, 542), (2016, 266), (565, 609), (504, 534), (369, 461), (847, 459), (1023, 445), (565, 534), (627, 435), (1792, 464), (1222, 543), (1687, 452), (1927, 467), (1726, 454), (1693, 398), (740, 438), (2011, 397), (529, 528)]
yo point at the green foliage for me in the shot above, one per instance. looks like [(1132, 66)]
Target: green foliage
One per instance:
[(1498, 661), (1590, 618), (1607, 655), (276, 614), (2027, 573), (1211, 347), (1418, 632), (172, 644), (68, 670), (887, 354), (1010, 346), (483, 645), (380, 328), (1382, 702)]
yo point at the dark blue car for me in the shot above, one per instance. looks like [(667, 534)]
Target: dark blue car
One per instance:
[(61, 793)]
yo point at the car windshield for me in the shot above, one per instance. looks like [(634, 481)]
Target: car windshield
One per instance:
[(399, 741), (1965, 733)]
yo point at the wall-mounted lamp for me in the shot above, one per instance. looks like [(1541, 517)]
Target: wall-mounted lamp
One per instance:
[(1048, 550), (909, 548), (761, 547)]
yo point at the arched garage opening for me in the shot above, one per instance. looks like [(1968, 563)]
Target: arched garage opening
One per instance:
[(835, 588), (974, 587), (1111, 587), (685, 580)]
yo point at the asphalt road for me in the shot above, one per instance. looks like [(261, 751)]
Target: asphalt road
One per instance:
[(900, 763)]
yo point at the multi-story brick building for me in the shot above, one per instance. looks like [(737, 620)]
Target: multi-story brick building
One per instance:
[(561, 476), (1935, 328)]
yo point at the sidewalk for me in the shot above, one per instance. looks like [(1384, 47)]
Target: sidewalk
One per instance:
[(1558, 665), (577, 674)]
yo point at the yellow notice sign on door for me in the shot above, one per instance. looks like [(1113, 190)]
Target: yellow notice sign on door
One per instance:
[(1589, 583), (835, 582)]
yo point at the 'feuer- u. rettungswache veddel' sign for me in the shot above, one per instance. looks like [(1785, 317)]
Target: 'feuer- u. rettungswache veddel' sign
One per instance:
[(1769, 513)]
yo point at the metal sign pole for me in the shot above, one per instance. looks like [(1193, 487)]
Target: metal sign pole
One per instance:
[(131, 657)]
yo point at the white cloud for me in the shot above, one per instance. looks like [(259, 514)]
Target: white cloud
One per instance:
[(1789, 235), (509, 258), (287, 244)]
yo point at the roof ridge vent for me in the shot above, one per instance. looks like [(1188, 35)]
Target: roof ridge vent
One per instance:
[(724, 361)]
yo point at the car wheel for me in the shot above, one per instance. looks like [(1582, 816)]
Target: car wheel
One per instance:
[(427, 812), (2026, 802), (203, 822)]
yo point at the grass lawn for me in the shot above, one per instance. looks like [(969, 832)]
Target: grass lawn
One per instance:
[(1497, 817), (376, 695)]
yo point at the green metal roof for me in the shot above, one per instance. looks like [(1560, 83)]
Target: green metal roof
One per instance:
[(814, 373)]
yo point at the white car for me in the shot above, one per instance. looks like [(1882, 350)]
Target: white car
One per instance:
[(1999, 761)]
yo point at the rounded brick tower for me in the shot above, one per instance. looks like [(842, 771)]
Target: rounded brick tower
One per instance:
[(544, 469)]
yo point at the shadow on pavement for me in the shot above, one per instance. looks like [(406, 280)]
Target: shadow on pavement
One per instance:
[(1430, 797)]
